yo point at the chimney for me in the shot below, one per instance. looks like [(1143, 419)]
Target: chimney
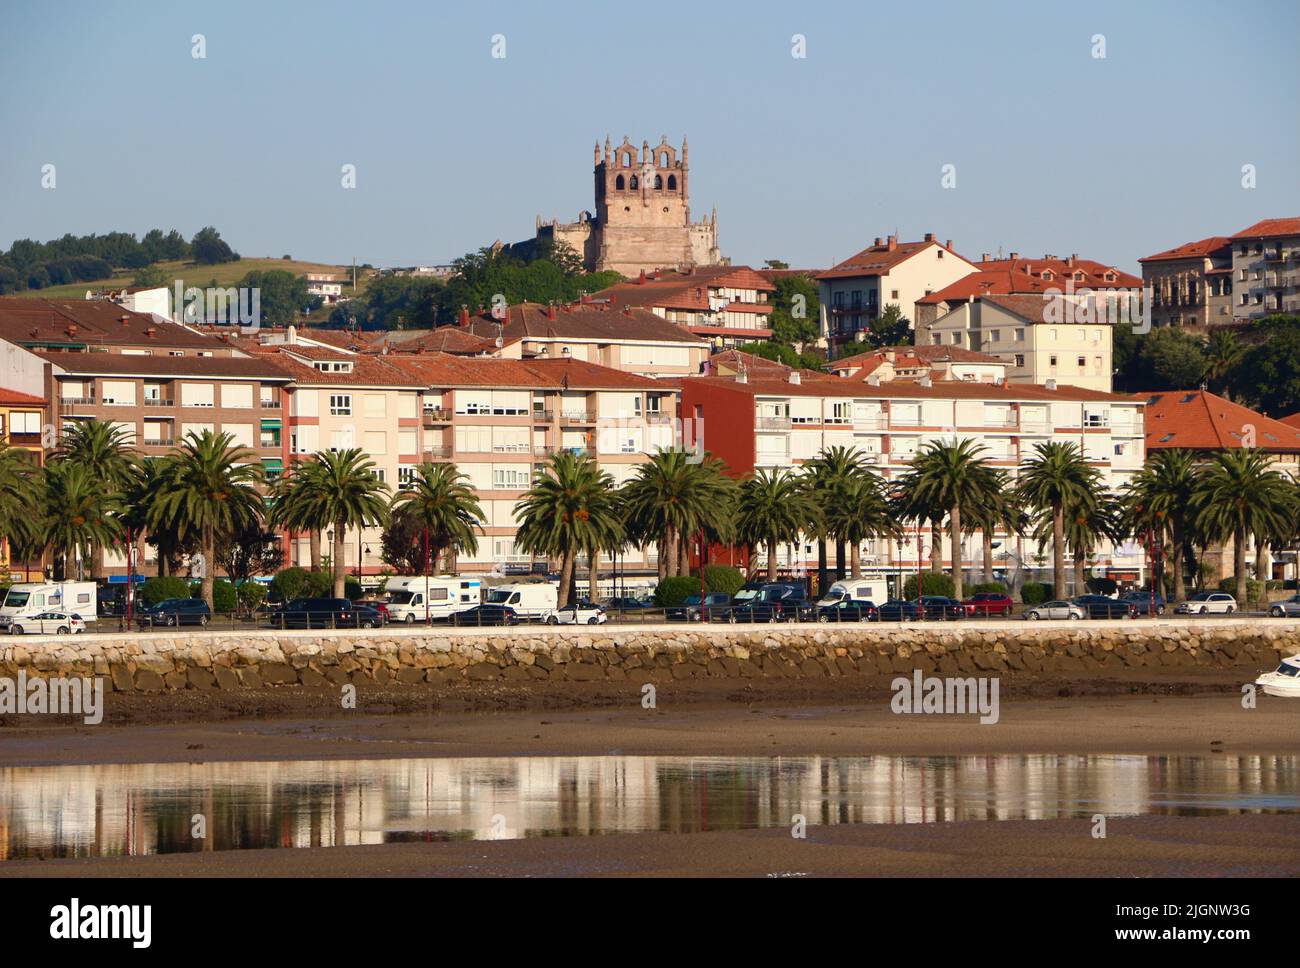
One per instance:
[(124, 319), (925, 381), (795, 378), (463, 319), (873, 380), (929, 236), (984, 257), (1050, 384), (893, 242), (627, 310), (879, 242), (151, 332), (291, 335), (1070, 261), (641, 278), (1015, 256), (742, 376), (656, 273), (550, 310), (584, 298), (948, 244), (891, 356), (72, 329)]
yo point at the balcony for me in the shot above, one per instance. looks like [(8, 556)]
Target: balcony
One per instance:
[(658, 417), (435, 415), (773, 423), (76, 401), (577, 417), (543, 450), (543, 416), (869, 423), (158, 402), (1001, 423), (270, 404), (432, 454), (158, 442)]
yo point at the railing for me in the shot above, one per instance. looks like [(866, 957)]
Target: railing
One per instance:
[(543, 416), (159, 442), (158, 402), (270, 404), (577, 416), (437, 453), (543, 450), (77, 401), (1006, 423), (869, 423), (657, 417), (436, 415), (773, 423)]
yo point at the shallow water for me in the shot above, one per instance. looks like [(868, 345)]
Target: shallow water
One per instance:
[(90, 811)]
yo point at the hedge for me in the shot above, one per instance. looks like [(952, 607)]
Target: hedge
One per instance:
[(674, 591), (1254, 589), (723, 579), (990, 587), (252, 594), (932, 583), (156, 590), (224, 596), (288, 583), (1036, 592)]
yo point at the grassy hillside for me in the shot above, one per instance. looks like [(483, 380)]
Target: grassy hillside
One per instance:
[(225, 274)]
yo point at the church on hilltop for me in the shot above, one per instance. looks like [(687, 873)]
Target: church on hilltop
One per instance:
[(642, 217)]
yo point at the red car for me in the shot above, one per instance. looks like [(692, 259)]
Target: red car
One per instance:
[(988, 603)]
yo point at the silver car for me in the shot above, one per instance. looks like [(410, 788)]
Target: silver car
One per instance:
[(1287, 608), (1055, 610)]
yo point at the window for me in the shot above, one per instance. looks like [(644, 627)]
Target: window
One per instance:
[(381, 475), (24, 423), (1082, 362), (1051, 361), (405, 477), (340, 404), (893, 294), (510, 478)]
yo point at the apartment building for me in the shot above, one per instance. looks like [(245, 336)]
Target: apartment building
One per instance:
[(1017, 276), (944, 362), (22, 420), (727, 305), (766, 423), (1266, 269), (1042, 338), (887, 272), (1191, 284), (99, 326), (628, 338)]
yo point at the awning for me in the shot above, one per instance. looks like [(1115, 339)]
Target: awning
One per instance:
[(271, 423)]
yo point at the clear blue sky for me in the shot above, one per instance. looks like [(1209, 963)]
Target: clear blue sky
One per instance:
[(806, 160)]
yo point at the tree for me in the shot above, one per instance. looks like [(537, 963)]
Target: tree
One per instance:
[(890, 328), (828, 476), (860, 511), (102, 449), (951, 475), (445, 507), (796, 311), (341, 490), (1238, 494), (249, 552), (1054, 479), (20, 492), (282, 295), (81, 512), (208, 248), (672, 497), (1171, 359), (1223, 354), (774, 506), (1159, 499), (568, 509), (295, 506), (208, 489), (402, 544), (150, 277), (1268, 377)]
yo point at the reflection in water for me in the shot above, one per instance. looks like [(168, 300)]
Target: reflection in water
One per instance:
[(80, 811)]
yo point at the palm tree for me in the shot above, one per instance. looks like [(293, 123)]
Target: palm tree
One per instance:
[(1087, 521), (20, 492), (675, 495), (295, 506), (952, 476), (81, 512), (340, 489), (860, 511), (446, 507), (774, 507), (208, 489), (827, 476), (1223, 353), (1159, 499), (569, 508), (1054, 479), (999, 512), (138, 496), (1238, 494), (104, 450)]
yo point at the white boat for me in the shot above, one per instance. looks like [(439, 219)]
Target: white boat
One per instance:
[(1284, 681)]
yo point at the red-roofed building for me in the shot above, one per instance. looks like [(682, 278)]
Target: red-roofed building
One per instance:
[(1191, 284), (915, 362), (728, 305), (887, 272), (1266, 269)]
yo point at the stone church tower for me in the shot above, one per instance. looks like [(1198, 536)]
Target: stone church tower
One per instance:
[(643, 213)]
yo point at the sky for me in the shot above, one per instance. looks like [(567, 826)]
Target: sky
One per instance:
[(1053, 149)]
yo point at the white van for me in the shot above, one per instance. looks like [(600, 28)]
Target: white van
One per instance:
[(28, 599), (530, 600), (856, 590), (411, 599)]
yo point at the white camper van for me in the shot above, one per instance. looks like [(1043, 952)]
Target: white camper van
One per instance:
[(856, 590), (411, 599), (530, 600), (28, 599)]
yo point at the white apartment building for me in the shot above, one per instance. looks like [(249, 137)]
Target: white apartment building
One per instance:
[(1266, 269), (795, 420), (1041, 338)]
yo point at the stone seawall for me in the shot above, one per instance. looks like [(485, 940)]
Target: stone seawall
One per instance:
[(161, 662)]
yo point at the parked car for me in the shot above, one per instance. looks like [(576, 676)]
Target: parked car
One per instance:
[(1055, 610), (584, 613), (768, 602), (689, 610), (485, 615), (1207, 603), (942, 607), (176, 612), (628, 604), (48, 623), (989, 603), (1103, 606), (847, 610), (385, 616), (1286, 608), (307, 613), (1141, 602), (898, 610)]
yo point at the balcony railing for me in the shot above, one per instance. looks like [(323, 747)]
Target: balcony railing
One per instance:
[(543, 416), (869, 423), (436, 415), (1001, 423), (543, 450), (437, 453), (158, 442), (577, 416), (77, 401), (158, 402), (658, 417), (270, 404), (773, 423)]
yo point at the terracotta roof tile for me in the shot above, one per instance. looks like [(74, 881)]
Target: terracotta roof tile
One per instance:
[(877, 260), (581, 321), (1270, 228), (1018, 276), (97, 322), (1201, 249), (1200, 420)]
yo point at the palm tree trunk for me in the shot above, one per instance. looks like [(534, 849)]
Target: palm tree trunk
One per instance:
[(1239, 563), (1058, 551), (566, 578), (855, 560), (822, 566), (1176, 558), (987, 533), (771, 559), (954, 523), (593, 576), (208, 580), (684, 556), (936, 545), (96, 558), (139, 551), (669, 552), (1080, 579), (839, 558), (340, 570), (314, 539)]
